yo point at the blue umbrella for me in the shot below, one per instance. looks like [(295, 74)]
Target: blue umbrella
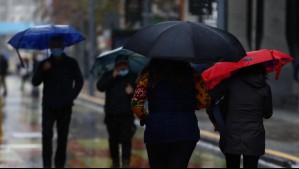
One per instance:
[(38, 37), (106, 62)]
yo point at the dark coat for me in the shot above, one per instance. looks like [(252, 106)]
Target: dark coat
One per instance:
[(171, 117), (118, 102), (62, 83), (3, 66), (247, 102)]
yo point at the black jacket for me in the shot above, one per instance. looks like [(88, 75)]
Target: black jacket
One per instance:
[(62, 83), (118, 102), (247, 102), (3, 66)]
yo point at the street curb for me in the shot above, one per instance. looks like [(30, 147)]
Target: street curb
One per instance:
[(273, 157)]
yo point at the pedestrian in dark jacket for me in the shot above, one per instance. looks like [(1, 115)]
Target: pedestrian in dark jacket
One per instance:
[(247, 101), (63, 81), (119, 86), (171, 131), (3, 73)]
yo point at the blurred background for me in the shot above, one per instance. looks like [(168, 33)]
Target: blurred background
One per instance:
[(108, 24)]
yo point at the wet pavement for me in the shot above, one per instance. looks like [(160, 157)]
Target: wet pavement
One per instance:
[(88, 146)]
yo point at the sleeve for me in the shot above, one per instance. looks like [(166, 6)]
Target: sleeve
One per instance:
[(105, 82), (268, 107), (140, 97), (203, 99), (39, 75), (79, 81)]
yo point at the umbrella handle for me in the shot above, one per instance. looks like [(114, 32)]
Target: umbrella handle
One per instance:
[(21, 60), (279, 69)]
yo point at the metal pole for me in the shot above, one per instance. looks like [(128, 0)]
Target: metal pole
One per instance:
[(82, 52), (222, 14), (92, 38), (146, 12)]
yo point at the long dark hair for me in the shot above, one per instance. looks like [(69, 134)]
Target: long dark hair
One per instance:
[(176, 72)]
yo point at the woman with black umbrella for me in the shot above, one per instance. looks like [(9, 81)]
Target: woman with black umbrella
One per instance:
[(171, 131)]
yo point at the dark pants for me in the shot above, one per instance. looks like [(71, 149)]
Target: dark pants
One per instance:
[(173, 155), (121, 132), (62, 118), (234, 161)]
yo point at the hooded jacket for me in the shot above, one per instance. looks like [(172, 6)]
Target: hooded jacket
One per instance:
[(247, 102)]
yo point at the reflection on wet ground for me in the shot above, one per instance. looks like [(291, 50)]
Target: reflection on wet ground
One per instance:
[(88, 145)]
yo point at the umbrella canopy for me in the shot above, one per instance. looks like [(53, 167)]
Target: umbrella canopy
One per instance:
[(186, 41), (38, 37), (272, 60), (106, 62)]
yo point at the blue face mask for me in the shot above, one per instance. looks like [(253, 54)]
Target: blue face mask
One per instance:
[(57, 52), (123, 73)]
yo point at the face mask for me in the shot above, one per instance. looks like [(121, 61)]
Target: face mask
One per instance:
[(57, 52), (123, 73)]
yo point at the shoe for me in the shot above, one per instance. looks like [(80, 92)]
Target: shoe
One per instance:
[(115, 164), (126, 164)]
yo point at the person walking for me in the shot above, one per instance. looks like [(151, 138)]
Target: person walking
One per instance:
[(247, 101), (119, 86), (63, 81), (3, 73), (173, 91)]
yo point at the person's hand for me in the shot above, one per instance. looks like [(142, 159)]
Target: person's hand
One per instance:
[(142, 122), (129, 89), (216, 128), (47, 66), (115, 73)]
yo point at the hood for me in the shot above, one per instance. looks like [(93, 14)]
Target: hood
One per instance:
[(256, 81)]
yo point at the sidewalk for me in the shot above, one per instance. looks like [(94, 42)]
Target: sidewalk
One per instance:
[(282, 134), (88, 143)]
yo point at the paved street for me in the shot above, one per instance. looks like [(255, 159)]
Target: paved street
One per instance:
[(88, 146)]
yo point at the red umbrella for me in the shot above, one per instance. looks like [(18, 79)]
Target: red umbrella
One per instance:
[(272, 60)]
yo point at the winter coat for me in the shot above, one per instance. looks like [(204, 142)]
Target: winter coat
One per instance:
[(247, 102), (118, 102), (62, 83)]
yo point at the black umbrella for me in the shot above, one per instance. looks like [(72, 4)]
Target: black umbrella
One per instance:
[(186, 41)]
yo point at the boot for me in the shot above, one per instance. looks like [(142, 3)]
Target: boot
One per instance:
[(126, 164), (115, 164)]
